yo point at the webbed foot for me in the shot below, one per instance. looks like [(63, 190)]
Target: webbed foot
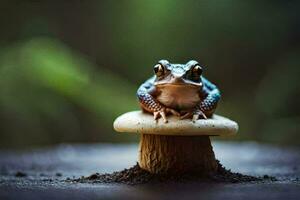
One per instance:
[(163, 114), (195, 115)]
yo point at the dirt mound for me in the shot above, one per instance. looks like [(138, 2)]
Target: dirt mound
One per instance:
[(136, 175)]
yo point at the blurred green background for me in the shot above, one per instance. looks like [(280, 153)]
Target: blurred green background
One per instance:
[(69, 68)]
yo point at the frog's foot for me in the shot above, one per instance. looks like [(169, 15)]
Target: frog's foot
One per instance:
[(195, 115), (163, 114)]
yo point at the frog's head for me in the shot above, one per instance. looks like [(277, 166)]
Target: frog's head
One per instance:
[(168, 74)]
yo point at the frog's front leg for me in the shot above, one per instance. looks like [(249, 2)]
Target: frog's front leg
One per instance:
[(211, 96), (207, 107), (145, 94)]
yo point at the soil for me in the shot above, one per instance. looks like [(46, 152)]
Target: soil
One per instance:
[(136, 175), (20, 174)]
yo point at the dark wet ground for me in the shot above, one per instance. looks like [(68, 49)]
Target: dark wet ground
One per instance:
[(41, 174)]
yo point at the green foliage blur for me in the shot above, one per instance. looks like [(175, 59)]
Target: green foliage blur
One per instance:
[(69, 68)]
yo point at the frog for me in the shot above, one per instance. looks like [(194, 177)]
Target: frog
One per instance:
[(180, 90)]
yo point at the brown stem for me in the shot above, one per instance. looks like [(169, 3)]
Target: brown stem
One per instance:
[(162, 154)]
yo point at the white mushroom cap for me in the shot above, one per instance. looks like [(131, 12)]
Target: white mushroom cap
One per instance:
[(139, 122)]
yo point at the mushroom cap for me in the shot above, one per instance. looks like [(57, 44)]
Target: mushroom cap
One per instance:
[(140, 122)]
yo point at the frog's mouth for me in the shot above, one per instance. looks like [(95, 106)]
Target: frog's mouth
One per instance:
[(177, 84)]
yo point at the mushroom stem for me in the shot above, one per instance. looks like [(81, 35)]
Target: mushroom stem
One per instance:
[(161, 154)]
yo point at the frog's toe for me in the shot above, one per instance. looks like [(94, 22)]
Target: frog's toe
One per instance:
[(155, 115), (198, 114), (203, 115), (195, 117), (186, 115), (174, 112), (163, 115), (158, 114)]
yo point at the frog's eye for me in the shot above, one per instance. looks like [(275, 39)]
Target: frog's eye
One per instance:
[(159, 69), (197, 70)]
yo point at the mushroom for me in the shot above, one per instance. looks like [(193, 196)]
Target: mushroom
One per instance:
[(176, 147)]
